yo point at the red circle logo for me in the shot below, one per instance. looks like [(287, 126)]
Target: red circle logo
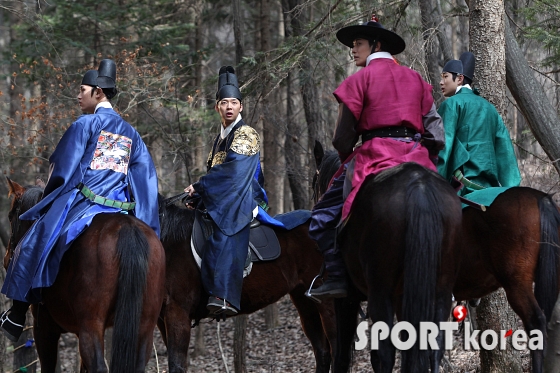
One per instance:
[(460, 312)]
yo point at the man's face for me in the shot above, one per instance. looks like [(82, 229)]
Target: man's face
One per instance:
[(86, 101), (360, 52), (229, 109), (448, 86)]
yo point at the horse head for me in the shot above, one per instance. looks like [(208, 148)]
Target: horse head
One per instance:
[(23, 199), (327, 164)]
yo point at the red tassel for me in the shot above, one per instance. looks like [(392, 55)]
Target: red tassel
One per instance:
[(374, 18)]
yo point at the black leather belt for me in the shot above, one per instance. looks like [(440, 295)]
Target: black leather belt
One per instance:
[(394, 131)]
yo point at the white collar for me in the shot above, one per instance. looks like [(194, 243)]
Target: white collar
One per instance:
[(377, 55), (103, 104), (462, 86), (227, 130)]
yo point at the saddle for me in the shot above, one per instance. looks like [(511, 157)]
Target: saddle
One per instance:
[(263, 243)]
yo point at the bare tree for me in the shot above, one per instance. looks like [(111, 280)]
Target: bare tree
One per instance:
[(487, 40)]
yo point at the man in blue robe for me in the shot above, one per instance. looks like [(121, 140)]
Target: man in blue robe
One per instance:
[(100, 157), (233, 196)]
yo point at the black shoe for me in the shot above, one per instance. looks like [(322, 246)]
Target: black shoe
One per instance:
[(11, 330), (219, 307), (336, 287)]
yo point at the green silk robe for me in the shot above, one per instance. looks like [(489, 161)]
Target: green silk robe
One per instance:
[(477, 142)]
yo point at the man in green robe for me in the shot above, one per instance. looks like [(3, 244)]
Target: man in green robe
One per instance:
[(478, 150)]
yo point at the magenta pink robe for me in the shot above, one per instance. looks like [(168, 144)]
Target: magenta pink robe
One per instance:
[(385, 94)]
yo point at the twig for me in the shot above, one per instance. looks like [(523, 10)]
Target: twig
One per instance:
[(221, 349), (155, 351)]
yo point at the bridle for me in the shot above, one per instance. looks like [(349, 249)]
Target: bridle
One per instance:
[(14, 224)]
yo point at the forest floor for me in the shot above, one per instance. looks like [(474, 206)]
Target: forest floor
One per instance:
[(282, 349)]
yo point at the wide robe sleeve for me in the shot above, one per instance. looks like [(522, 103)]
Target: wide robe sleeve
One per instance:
[(454, 154), (142, 178), (508, 172), (66, 167), (226, 189)]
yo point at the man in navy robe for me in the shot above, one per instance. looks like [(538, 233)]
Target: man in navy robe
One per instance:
[(99, 155), (233, 195)]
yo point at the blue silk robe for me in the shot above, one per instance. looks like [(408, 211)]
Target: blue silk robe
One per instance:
[(230, 192), (106, 154)]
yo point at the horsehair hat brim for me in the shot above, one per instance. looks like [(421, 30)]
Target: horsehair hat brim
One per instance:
[(394, 44)]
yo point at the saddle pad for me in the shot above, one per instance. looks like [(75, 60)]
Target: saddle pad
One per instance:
[(263, 245)]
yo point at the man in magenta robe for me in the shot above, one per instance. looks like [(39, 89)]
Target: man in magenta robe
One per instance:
[(391, 107)]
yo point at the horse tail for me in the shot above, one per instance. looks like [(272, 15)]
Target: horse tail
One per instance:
[(132, 253), (423, 240), (546, 277)]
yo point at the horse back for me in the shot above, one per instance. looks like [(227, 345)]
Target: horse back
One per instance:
[(501, 243), (88, 277)]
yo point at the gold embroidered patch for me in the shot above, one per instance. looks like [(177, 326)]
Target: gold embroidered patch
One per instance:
[(246, 141), (219, 158)]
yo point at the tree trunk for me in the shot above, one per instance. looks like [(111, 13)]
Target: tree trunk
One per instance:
[(531, 99), (199, 345), (240, 343), (487, 42), (431, 50), (294, 142), (552, 357), (272, 164)]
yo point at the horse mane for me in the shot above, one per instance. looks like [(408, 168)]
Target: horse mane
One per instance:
[(175, 222), (30, 197), (329, 165)]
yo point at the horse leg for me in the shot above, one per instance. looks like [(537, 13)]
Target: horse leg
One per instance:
[(381, 309), (523, 302), (312, 324), (46, 333), (178, 335), (443, 308), (91, 347), (346, 323)]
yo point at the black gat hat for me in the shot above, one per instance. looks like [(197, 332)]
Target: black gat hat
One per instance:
[(228, 87), (373, 30), (107, 74)]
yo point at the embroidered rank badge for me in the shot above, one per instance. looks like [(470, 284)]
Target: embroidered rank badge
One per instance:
[(112, 153), (246, 141)]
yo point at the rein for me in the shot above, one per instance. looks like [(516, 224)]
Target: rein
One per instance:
[(15, 225), (172, 200)]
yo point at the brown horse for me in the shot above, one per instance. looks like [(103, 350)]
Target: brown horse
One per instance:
[(513, 244), (112, 275), (291, 273)]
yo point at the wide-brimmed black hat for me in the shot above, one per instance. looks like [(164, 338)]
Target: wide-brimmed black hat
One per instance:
[(372, 30), (107, 74), (90, 78), (228, 87)]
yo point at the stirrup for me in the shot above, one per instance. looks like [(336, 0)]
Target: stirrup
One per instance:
[(308, 292)]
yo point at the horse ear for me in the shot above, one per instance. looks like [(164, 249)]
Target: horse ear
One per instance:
[(318, 152), (14, 189), (40, 183)]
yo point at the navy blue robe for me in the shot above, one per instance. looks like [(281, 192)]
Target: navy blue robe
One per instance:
[(230, 191), (106, 154)]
